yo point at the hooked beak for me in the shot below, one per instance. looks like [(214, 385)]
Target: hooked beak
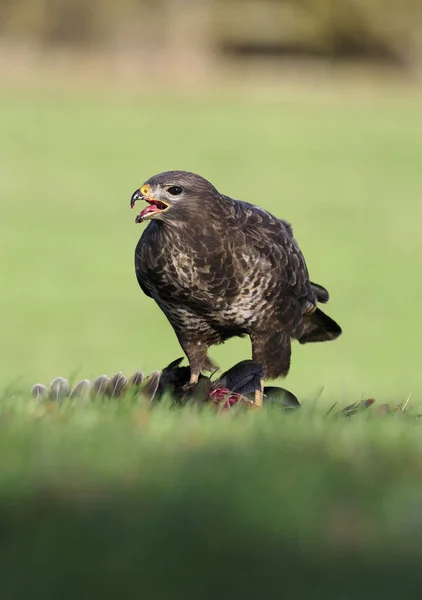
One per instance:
[(154, 206), (136, 196)]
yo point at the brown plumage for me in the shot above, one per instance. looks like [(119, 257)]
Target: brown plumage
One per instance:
[(219, 268)]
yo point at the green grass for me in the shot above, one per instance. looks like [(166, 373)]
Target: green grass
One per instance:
[(345, 172), (114, 499)]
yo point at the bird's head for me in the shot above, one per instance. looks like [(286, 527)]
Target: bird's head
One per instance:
[(173, 195)]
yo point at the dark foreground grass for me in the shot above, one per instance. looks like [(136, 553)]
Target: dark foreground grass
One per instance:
[(110, 498)]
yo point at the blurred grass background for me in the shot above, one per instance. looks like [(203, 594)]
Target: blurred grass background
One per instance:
[(313, 110), (344, 170)]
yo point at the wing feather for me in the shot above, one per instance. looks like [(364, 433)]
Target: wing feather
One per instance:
[(272, 241)]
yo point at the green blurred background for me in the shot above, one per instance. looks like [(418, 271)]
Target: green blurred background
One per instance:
[(311, 109)]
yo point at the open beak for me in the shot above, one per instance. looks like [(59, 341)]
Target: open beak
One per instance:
[(154, 206)]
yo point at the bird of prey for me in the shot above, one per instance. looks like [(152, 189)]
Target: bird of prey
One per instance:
[(219, 267)]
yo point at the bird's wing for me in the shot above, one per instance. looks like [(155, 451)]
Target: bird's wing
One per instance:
[(271, 241)]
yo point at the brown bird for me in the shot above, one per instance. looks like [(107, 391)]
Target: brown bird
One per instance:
[(219, 267)]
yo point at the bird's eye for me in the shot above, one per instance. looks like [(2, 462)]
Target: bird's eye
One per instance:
[(175, 190)]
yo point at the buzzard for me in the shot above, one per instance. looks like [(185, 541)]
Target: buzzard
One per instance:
[(219, 267)]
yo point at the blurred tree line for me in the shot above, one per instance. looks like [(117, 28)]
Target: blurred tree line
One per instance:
[(389, 30)]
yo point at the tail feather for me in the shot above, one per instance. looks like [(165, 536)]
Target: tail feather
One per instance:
[(319, 327)]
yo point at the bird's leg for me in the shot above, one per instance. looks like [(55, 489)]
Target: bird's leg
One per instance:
[(272, 352), (259, 356), (259, 395), (196, 351)]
